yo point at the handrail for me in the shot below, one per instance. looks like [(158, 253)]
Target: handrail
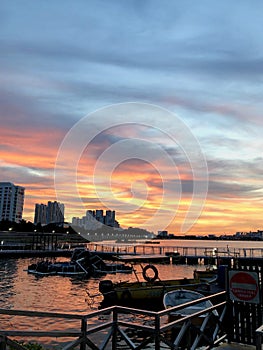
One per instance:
[(209, 252), (157, 327), (259, 337)]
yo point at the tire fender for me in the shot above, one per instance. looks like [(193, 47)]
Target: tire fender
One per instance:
[(152, 268)]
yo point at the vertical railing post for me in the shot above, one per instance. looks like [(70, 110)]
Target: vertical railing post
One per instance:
[(114, 328), (259, 333), (2, 342), (157, 332), (84, 333)]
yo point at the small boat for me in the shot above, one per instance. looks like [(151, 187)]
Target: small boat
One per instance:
[(148, 293), (188, 330), (99, 266), (82, 264), (183, 296), (77, 266), (41, 268), (209, 273)]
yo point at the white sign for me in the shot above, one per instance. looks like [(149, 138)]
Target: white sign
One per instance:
[(244, 286)]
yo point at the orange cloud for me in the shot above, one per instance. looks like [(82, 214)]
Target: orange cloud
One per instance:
[(135, 188)]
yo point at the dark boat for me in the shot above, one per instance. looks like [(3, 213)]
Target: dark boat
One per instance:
[(82, 264), (148, 293), (79, 265), (99, 266)]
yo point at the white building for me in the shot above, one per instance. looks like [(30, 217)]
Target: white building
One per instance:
[(11, 202)]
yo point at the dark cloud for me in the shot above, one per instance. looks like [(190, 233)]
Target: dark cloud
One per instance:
[(236, 178), (226, 190)]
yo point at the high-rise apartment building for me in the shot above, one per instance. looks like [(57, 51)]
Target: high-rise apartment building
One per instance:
[(11, 201), (40, 214), (55, 212), (109, 218), (52, 213), (96, 219)]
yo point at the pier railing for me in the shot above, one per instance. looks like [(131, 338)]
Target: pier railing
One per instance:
[(201, 252), (120, 327)]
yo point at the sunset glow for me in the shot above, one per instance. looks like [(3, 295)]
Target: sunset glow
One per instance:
[(199, 62)]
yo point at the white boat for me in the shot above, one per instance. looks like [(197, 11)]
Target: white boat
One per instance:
[(197, 326), (182, 296)]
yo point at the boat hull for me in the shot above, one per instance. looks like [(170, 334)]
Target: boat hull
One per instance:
[(148, 294), (183, 296), (82, 264), (206, 320)]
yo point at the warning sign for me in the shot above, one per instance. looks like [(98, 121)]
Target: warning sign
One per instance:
[(243, 286)]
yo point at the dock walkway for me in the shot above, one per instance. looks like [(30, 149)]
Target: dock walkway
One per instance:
[(235, 346), (181, 255)]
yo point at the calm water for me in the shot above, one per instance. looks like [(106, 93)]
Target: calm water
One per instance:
[(20, 290)]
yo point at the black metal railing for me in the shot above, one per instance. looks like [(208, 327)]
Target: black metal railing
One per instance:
[(119, 327)]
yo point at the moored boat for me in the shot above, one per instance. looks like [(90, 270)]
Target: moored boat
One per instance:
[(82, 264), (209, 273), (148, 293), (188, 330), (99, 266), (183, 296), (78, 266), (41, 268)]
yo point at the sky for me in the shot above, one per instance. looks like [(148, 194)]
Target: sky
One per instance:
[(150, 108)]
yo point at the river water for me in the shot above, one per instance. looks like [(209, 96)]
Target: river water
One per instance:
[(22, 291)]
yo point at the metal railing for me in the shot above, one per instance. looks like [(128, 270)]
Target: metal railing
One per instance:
[(259, 337), (121, 327), (146, 249)]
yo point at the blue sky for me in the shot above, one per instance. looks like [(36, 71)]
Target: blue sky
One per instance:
[(202, 61)]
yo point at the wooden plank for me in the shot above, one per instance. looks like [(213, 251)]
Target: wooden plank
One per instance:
[(40, 314), (42, 333)]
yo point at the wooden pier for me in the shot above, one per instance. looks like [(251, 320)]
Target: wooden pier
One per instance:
[(179, 255), (151, 254)]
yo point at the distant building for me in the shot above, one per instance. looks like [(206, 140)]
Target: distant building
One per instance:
[(162, 234), (55, 212), (96, 219), (254, 235), (11, 201), (40, 214), (109, 218), (52, 213)]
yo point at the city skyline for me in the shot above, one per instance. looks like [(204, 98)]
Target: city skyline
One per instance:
[(64, 67), (95, 219)]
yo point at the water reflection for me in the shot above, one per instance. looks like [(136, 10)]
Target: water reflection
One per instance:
[(8, 274), (23, 291)]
